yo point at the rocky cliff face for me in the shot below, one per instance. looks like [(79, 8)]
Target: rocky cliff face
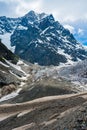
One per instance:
[(38, 38), (10, 72), (7, 54)]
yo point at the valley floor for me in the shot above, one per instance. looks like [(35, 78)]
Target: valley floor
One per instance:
[(35, 104), (66, 112)]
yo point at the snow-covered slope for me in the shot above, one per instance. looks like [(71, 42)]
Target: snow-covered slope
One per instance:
[(7, 26)]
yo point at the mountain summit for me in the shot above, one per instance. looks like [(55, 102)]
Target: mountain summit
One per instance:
[(38, 38)]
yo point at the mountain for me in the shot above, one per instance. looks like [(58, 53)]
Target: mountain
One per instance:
[(15, 74), (39, 81), (38, 38), (29, 95)]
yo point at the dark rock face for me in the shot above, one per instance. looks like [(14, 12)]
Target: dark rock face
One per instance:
[(7, 25), (39, 38), (6, 76), (7, 54), (42, 55), (8, 89)]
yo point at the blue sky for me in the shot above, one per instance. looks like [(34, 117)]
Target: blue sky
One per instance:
[(71, 13)]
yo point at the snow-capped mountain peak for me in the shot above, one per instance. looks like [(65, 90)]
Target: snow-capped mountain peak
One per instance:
[(33, 16), (38, 38)]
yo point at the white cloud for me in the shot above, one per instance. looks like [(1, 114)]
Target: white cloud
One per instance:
[(64, 11), (17, 8), (80, 31), (23, 7)]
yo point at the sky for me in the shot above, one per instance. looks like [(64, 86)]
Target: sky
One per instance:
[(63, 10), (71, 13)]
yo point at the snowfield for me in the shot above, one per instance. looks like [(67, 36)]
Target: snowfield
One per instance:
[(6, 40)]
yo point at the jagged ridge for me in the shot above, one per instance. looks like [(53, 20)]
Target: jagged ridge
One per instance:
[(38, 38)]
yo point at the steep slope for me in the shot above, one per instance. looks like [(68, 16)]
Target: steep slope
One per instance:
[(7, 54), (16, 74), (7, 25), (38, 38), (10, 73)]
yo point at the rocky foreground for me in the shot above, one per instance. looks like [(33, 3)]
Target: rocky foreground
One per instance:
[(67, 112), (28, 92)]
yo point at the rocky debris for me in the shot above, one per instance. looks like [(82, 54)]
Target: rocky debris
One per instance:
[(42, 82), (8, 89), (48, 113)]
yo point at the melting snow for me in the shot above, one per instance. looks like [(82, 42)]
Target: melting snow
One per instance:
[(12, 95), (20, 62), (69, 58), (3, 64), (15, 66), (2, 71), (61, 51), (79, 46)]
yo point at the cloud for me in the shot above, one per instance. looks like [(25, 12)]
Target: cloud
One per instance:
[(80, 31), (25, 6), (17, 8), (64, 11)]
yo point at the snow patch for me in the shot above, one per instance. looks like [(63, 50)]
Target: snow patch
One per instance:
[(20, 27), (69, 58), (44, 31), (71, 28), (4, 64), (15, 66), (2, 71), (40, 41), (20, 62), (12, 95), (6, 41), (61, 51), (85, 47)]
